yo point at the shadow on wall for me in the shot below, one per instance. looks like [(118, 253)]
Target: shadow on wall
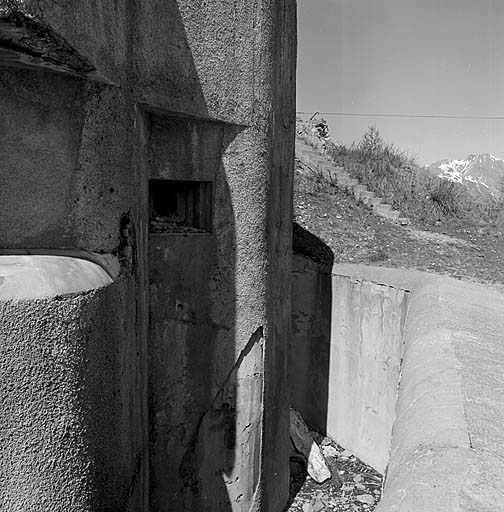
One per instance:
[(345, 353), (310, 348), (192, 308), (203, 395)]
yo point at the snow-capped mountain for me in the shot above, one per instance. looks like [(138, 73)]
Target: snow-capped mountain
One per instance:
[(480, 173)]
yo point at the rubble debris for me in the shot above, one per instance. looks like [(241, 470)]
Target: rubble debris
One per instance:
[(360, 491), (305, 444)]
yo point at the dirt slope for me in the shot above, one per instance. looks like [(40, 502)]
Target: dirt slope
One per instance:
[(356, 235)]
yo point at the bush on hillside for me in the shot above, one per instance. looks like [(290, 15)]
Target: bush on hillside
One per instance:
[(427, 199)]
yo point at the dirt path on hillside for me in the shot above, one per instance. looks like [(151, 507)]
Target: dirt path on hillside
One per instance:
[(437, 238)]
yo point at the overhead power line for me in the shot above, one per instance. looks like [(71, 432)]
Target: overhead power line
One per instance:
[(421, 116)]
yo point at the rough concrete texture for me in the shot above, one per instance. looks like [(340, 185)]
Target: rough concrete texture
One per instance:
[(69, 384), (447, 444), (205, 90), (365, 361)]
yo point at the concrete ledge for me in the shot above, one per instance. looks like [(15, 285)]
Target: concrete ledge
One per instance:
[(447, 450)]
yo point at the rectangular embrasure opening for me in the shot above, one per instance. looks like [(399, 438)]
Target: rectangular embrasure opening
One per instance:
[(180, 206)]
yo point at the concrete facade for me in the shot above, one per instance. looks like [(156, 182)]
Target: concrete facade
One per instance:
[(167, 156)]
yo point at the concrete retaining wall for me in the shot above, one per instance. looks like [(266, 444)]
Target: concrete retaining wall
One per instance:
[(365, 360), (447, 444), (447, 448), (345, 357)]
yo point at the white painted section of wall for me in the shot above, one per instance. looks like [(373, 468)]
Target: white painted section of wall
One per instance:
[(37, 276), (365, 360)]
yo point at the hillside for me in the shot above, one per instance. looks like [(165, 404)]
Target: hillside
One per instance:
[(482, 174), (356, 235)]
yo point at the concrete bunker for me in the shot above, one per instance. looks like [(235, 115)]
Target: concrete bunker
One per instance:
[(161, 389)]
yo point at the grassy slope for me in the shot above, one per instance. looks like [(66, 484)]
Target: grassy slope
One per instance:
[(356, 235)]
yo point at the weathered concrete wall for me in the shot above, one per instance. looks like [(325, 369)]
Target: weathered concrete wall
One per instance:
[(447, 444), (310, 345), (69, 369), (346, 356), (365, 362), (84, 168), (198, 409)]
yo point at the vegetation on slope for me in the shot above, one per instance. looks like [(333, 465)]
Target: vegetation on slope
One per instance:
[(356, 235), (426, 199)]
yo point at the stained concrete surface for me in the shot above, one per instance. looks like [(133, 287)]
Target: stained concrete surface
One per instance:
[(447, 442), (446, 447), (77, 157), (345, 360), (310, 345), (365, 364)]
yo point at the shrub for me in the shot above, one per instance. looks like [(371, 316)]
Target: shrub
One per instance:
[(427, 199), (446, 197)]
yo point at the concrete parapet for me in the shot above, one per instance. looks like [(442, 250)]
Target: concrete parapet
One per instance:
[(447, 446), (409, 377)]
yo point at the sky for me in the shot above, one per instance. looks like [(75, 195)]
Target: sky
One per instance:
[(406, 57)]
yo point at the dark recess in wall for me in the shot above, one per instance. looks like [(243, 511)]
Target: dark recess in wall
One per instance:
[(176, 206)]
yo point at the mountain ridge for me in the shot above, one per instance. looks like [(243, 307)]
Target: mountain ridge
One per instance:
[(480, 173)]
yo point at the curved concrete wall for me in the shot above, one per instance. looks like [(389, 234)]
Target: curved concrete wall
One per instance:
[(44, 275), (443, 447), (69, 379), (447, 444)]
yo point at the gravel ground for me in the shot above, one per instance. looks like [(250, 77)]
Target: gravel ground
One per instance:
[(360, 492)]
